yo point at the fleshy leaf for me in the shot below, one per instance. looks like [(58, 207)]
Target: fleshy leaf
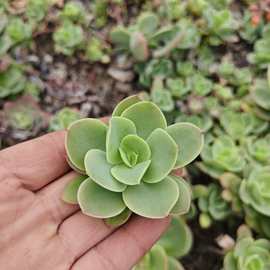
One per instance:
[(189, 139), (124, 104), (119, 219), (118, 129), (139, 46), (146, 116), (71, 189), (184, 200), (130, 176), (98, 202), (82, 136), (134, 144), (99, 170), (152, 200), (164, 155), (178, 239), (173, 264), (148, 23)]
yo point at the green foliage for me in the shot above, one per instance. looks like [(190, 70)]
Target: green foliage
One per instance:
[(221, 25), (68, 38), (130, 161), (254, 190), (175, 243), (95, 51), (63, 118), (211, 205), (73, 11), (23, 114), (260, 55), (12, 81), (37, 9), (248, 254), (222, 155)]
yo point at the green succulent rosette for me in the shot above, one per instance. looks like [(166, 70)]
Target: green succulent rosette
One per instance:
[(255, 191), (126, 165), (248, 254)]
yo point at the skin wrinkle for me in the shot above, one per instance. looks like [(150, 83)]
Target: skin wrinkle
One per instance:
[(104, 259), (135, 239)]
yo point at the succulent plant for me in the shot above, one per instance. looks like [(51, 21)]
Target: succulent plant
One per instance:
[(254, 190), (63, 118), (23, 114), (201, 86), (95, 51), (12, 81), (37, 9), (221, 25), (221, 155), (175, 243), (68, 38), (18, 31), (99, 9), (128, 163), (211, 205), (256, 221), (248, 254), (260, 55), (258, 149), (73, 11), (237, 125)]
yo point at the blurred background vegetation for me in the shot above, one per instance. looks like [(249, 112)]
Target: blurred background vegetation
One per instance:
[(202, 61)]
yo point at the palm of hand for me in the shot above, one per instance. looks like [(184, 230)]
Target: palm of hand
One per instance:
[(39, 231)]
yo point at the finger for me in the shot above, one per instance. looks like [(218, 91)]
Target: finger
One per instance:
[(37, 162), (80, 233), (52, 198), (122, 249)]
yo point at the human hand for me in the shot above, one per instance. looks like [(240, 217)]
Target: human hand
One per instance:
[(39, 231)]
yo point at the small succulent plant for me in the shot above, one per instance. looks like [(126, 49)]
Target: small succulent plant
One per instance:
[(211, 205), (12, 81), (95, 51), (221, 25), (248, 254), (73, 11), (174, 244), (254, 190), (68, 38), (223, 155), (260, 55), (37, 9), (128, 164), (63, 118), (258, 149)]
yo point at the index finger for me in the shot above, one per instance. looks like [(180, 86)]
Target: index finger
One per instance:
[(36, 162)]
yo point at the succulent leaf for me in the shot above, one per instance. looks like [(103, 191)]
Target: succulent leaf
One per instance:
[(178, 239), (71, 190), (134, 144), (152, 200), (119, 127), (184, 200), (146, 116), (99, 170), (189, 139), (139, 46), (120, 219), (124, 104), (99, 202), (130, 176), (163, 156), (83, 135)]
